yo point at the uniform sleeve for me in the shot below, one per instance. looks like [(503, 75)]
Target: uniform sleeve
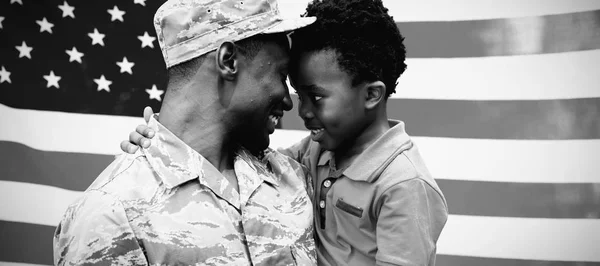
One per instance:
[(410, 220), (95, 231)]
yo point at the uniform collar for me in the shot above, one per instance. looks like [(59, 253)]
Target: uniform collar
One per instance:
[(176, 163)]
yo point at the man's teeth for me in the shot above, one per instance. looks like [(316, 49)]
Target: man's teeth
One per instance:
[(274, 119), (316, 131)]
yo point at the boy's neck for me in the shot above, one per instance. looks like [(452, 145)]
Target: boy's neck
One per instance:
[(347, 153)]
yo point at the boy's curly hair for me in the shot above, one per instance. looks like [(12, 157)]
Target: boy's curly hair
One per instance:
[(364, 36)]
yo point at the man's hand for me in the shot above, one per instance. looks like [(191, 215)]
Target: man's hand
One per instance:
[(141, 136)]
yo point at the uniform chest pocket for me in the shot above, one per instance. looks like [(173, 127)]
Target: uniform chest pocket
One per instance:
[(349, 208)]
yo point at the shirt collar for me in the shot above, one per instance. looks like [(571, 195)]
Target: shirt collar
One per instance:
[(372, 161), (176, 163)]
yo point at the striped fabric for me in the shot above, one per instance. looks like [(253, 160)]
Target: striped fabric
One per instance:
[(502, 97)]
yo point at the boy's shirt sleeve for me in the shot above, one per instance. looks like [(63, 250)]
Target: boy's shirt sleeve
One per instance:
[(410, 220), (95, 231), (297, 151)]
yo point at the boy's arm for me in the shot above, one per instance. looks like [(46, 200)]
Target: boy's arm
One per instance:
[(298, 150), (411, 217), (96, 231)]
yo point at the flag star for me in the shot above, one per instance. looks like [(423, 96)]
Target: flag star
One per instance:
[(155, 93), (67, 10), (45, 25), (125, 65), (141, 2), (24, 50), (1, 19), (97, 37), (147, 40), (17, 1), (103, 83), (74, 55), (4, 75), (52, 80), (116, 14)]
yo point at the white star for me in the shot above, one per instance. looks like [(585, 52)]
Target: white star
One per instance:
[(1, 19), (45, 25), (103, 83), (141, 2), (17, 1), (52, 80), (74, 55), (116, 14), (125, 65), (97, 37), (155, 93), (24, 50), (4, 75), (67, 10), (147, 40)]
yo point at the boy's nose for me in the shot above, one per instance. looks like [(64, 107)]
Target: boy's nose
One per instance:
[(304, 111)]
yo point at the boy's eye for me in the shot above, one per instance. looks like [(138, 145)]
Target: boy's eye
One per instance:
[(317, 98)]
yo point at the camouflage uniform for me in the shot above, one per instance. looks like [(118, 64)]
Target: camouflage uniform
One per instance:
[(168, 205)]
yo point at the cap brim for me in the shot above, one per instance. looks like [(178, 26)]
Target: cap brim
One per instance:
[(290, 24)]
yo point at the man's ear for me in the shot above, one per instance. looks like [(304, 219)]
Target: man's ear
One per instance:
[(227, 60), (375, 93)]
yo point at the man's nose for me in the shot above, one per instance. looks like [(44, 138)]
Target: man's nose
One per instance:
[(287, 101)]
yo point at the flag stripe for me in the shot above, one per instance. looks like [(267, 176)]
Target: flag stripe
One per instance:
[(26, 243), (502, 37), (38, 204), (440, 10), (502, 78), (4, 263), (66, 132), (542, 119), (529, 161), (477, 261), (528, 200), (521, 238), (73, 171), (490, 237)]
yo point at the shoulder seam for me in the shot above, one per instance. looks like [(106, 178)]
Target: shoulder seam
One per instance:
[(418, 177), (119, 173)]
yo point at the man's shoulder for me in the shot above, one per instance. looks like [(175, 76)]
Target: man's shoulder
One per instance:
[(126, 177), (278, 160)]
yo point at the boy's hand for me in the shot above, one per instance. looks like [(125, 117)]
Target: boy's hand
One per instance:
[(141, 136)]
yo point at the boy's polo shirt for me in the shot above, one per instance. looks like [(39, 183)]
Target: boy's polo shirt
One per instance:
[(384, 209)]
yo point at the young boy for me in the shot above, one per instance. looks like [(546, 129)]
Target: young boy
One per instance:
[(375, 202)]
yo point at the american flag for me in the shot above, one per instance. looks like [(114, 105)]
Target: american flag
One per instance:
[(501, 96)]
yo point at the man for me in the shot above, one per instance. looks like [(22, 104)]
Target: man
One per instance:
[(207, 191)]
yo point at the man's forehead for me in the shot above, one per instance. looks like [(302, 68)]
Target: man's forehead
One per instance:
[(277, 52)]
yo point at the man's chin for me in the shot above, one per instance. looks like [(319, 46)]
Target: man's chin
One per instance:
[(256, 147)]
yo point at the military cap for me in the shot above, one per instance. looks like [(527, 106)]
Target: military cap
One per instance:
[(187, 29)]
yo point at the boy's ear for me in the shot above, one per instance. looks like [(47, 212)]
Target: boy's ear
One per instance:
[(375, 93), (227, 60)]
